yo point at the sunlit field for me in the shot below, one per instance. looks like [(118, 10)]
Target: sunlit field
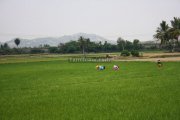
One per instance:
[(58, 90)]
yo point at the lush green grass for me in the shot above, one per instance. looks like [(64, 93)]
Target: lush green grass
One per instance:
[(47, 57), (57, 90)]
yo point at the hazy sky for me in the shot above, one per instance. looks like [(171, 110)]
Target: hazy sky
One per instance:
[(111, 19)]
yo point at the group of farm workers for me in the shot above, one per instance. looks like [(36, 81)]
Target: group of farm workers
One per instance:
[(102, 67), (116, 67)]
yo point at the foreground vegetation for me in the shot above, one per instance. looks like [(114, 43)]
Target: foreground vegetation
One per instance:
[(56, 89)]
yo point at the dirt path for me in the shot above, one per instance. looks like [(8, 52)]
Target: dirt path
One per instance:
[(153, 57)]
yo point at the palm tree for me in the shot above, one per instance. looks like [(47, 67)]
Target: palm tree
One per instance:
[(87, 43), (173, 33), (175, 23), (100, 46), (136, 44), (162, 33), (121, 43), (17, 41), (175, 30), (105, 46), (82, 44)]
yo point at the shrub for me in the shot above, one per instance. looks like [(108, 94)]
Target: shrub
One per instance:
[(125, 53), (107, 56), (135, 53)]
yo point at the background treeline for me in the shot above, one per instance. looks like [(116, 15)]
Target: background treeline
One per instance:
[(82, 45)]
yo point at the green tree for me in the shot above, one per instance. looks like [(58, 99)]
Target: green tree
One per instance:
[(125, 53), (62, 47), (136, 44), (5, 49), (6, 46), (105, 46), (17, 41), (169, 35), (162, 33), (87, 44), (71, 47), (121, 43), (128, 45), (82, 44), (174, 32), (99, 46)]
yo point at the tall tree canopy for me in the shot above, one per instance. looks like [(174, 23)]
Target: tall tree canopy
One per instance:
[(121, 43), (17, 41), (136, 44), (175, 30), (169, 35), (162, 33), (82, 44)]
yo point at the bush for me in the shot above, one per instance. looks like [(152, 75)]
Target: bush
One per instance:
[(125, 53), (107, 56), (135, 53)]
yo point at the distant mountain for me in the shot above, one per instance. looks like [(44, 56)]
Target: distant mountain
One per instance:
[(52, 41), (150, 42)]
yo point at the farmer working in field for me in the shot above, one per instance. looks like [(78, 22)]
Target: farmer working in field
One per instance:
[(159, 63), (100, 67), (115, 67), (97, 67)]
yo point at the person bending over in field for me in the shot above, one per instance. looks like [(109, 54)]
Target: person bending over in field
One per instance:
[(97, 67), (159, 63), (104, 67), (100, 67), (115, 67)]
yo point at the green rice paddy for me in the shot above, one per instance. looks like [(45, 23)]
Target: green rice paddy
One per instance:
[(58, 90)]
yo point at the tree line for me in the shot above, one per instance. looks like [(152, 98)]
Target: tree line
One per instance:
[(82, 45)]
